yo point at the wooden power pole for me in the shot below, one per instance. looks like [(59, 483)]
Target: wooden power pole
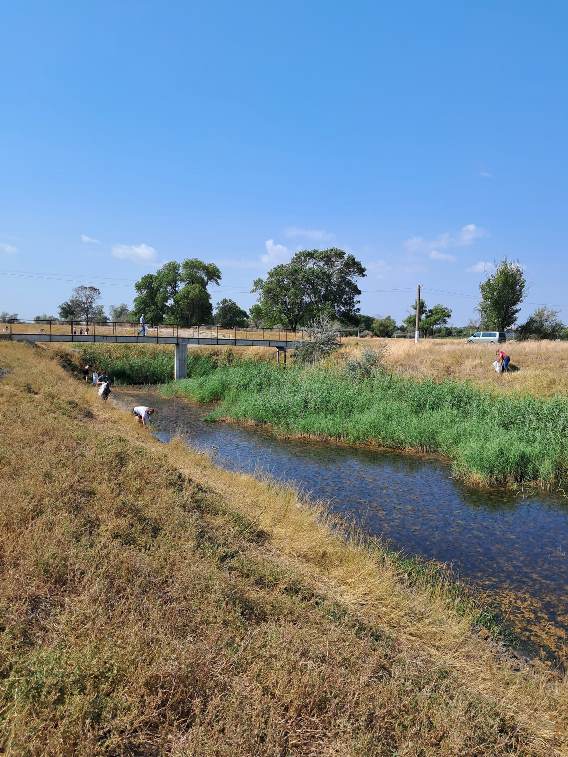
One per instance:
[(417, 327)]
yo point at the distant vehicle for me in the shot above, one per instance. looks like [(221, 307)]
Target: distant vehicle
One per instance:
[(490, 337)]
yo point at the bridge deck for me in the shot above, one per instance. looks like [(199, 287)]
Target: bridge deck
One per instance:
[(281, 344)]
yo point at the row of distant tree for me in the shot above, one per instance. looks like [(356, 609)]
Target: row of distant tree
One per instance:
[(313, 284)]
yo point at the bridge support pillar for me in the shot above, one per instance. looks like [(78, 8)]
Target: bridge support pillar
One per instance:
[(180, 364)]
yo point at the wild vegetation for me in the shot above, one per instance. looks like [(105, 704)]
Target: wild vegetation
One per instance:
[(490, 438), (152, 603)]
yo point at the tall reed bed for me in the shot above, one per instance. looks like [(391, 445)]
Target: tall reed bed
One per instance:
[(492, 438), (127, 364)]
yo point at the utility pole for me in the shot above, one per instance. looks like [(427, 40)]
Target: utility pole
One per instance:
[(417, 327)]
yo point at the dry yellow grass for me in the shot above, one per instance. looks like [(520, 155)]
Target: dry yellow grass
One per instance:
[(543, 365), (152, 603)]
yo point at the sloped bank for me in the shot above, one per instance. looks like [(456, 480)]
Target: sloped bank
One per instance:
[(153, 603)]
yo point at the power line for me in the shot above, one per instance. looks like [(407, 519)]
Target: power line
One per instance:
[(124, 282), (106, 280)]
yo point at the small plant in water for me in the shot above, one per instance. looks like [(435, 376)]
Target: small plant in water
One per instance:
[(367, 364), (322, 340)]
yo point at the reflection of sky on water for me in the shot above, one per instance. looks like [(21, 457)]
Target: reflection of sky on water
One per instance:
[(499, 540)]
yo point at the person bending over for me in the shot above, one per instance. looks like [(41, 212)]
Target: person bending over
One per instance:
[(143, 413), (503, 359)]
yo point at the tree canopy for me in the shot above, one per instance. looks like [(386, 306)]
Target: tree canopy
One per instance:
[(177, 293), (501, 296), (314, 284), (121, 313), (83, 305), (542, 324), (230, 315), (384, 327), (430, 318)]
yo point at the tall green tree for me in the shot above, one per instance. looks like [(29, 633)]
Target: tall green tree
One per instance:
[(430, 318), (501, 296), (177, 293), (314, 284), (542, 324), (230, 315), (434, 317), (121, 313), (384, 327), (83, 305)]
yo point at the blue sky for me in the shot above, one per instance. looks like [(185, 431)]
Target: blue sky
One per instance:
[(429, 139)]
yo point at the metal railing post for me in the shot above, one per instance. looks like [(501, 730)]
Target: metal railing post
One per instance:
[(94, 332), (72, 332), (50, 331), (157, 333), (197, 333), (217, 333), (235, 336)]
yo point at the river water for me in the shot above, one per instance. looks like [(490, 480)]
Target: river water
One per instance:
[(512, 545)]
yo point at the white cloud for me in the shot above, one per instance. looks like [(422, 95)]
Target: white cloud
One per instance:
[(464, 237), (482, 266), (137, 253), (486, 174), (469, 233), (420, 244), (275, 253), (443, 256), (88, 240), (9, 249), (314, 235)]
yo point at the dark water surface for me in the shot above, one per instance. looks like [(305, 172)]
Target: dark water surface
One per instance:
[(515, 546)]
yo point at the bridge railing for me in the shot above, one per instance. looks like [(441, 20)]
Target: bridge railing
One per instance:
[(110, 329)]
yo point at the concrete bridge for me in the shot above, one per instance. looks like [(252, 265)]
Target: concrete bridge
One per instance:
[(281, 340)]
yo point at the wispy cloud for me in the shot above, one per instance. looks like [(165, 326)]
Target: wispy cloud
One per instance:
[(275, 253), (469, 234), (482, 266), (313, 235), (464, 237), (137, 253), (486, 174), (8, 249), (89, 240), (442, 256)]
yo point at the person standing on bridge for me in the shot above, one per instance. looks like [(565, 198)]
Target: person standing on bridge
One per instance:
[(143, 413), (142, 331)]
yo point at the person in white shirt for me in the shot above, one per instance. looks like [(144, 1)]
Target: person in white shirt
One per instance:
[(104, 389), (143, 413), (95, 377)]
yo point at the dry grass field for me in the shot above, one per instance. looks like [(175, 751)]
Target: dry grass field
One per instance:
[(542, 365), (153, 604)]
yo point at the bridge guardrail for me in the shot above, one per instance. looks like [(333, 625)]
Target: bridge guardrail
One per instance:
[(110, 329)]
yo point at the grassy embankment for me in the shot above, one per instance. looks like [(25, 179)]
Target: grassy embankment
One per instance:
[(543, 365), (152, 603), (490, 436)]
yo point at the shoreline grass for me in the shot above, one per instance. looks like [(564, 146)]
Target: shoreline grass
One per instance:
[(153, 603), (490, 439)]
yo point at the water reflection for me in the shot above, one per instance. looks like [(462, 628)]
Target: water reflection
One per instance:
[(502, 541)]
